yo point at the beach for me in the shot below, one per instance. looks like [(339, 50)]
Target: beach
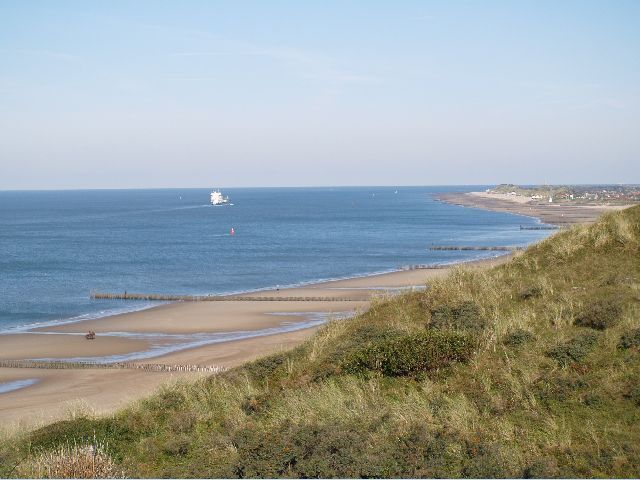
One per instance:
[(551, 213), (224, 333), (275, 325)]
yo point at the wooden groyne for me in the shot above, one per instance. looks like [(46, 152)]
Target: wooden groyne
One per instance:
[(540, 227), (424, 267), (492, 249), (149, 367), (212, 298)]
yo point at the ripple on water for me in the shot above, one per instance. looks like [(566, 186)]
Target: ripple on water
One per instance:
[(7, 387)]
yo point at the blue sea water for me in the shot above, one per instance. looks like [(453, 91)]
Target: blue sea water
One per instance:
[(57, 246)]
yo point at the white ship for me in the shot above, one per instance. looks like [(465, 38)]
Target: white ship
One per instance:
[(218, 199)]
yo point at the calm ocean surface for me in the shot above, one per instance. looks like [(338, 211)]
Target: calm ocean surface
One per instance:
[(56, 246)]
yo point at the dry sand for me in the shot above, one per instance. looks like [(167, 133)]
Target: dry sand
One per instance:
[(59, 391), (552, 213)]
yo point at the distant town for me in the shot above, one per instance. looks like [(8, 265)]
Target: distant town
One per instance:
[(578, 194)]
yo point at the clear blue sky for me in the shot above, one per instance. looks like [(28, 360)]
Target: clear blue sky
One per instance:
[(123, 94)]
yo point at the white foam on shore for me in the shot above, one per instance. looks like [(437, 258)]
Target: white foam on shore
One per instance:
[(166, 343), (140, 306), (7, 387), (28, 327)]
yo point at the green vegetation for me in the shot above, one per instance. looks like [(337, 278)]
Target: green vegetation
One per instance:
[(531, 369), (575, 194)]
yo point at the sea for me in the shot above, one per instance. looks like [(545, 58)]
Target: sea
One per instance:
[(58, 246)]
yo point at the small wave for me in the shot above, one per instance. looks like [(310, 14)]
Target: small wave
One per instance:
[(166, 343), (26, 328), (7, 387)]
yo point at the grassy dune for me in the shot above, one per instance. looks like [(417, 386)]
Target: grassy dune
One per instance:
[(529, 369)]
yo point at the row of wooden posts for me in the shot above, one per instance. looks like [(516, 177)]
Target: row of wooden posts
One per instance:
[(493, 249), (211, 298), (150, 367), (264, 298)]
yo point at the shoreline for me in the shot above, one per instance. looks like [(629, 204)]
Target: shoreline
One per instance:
[(558, 214), (55, 392), (153, 304), (49, 395)]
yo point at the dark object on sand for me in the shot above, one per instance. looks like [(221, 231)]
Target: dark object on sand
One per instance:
[(90, 336)]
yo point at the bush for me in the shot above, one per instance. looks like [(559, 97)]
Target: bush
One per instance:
[(557, 387), (183, 422), (575, 350), (343, 450), (333, 360), (545, 467), (630, 339), (518, 337), (489, 461), (464, 316), (633, 394), (265, 367), (169, 399), (411, 354), (532, 291), (177, 445), (299, 451), (600, 314)]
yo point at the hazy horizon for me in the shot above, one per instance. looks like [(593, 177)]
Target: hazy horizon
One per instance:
[(240, 187), (158, 94)]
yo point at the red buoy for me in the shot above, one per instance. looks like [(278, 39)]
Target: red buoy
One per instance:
[(232, 231)]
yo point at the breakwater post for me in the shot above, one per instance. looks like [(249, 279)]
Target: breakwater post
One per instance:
[(149, 367), (493, 249), (540, 227), (211, 298)]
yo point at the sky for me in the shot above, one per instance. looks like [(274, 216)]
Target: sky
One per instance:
[(154, 93)]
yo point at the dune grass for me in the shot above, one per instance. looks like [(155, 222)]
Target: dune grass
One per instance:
[(530, 369)]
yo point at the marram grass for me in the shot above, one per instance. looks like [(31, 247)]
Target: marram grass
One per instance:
[(543, 380)]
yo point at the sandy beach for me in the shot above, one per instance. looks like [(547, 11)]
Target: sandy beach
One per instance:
[(220, 333), (551, 213), (277, 324)]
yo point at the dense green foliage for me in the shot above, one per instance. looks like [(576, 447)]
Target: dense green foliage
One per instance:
[(411, 354), (530, 369), (600, 314)]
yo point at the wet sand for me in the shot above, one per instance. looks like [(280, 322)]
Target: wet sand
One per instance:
[(102, 391)]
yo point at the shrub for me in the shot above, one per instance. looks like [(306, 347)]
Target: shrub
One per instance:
[(73, 461), (183, 422), (169, 399), (265, 367), (463, 316), (343, 450), (489, 461), (592, 400), (545, 467), (633, 394), (306, 451), (412, 353), (333, 360), (600, 314), (177, 445), (518, 337), (532, 291), (630, 339), (560, 388), (575, 350)]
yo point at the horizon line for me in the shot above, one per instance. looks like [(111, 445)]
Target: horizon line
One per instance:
[(70, 189)]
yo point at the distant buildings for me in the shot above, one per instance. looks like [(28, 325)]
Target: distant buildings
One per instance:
[(573, 193)]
